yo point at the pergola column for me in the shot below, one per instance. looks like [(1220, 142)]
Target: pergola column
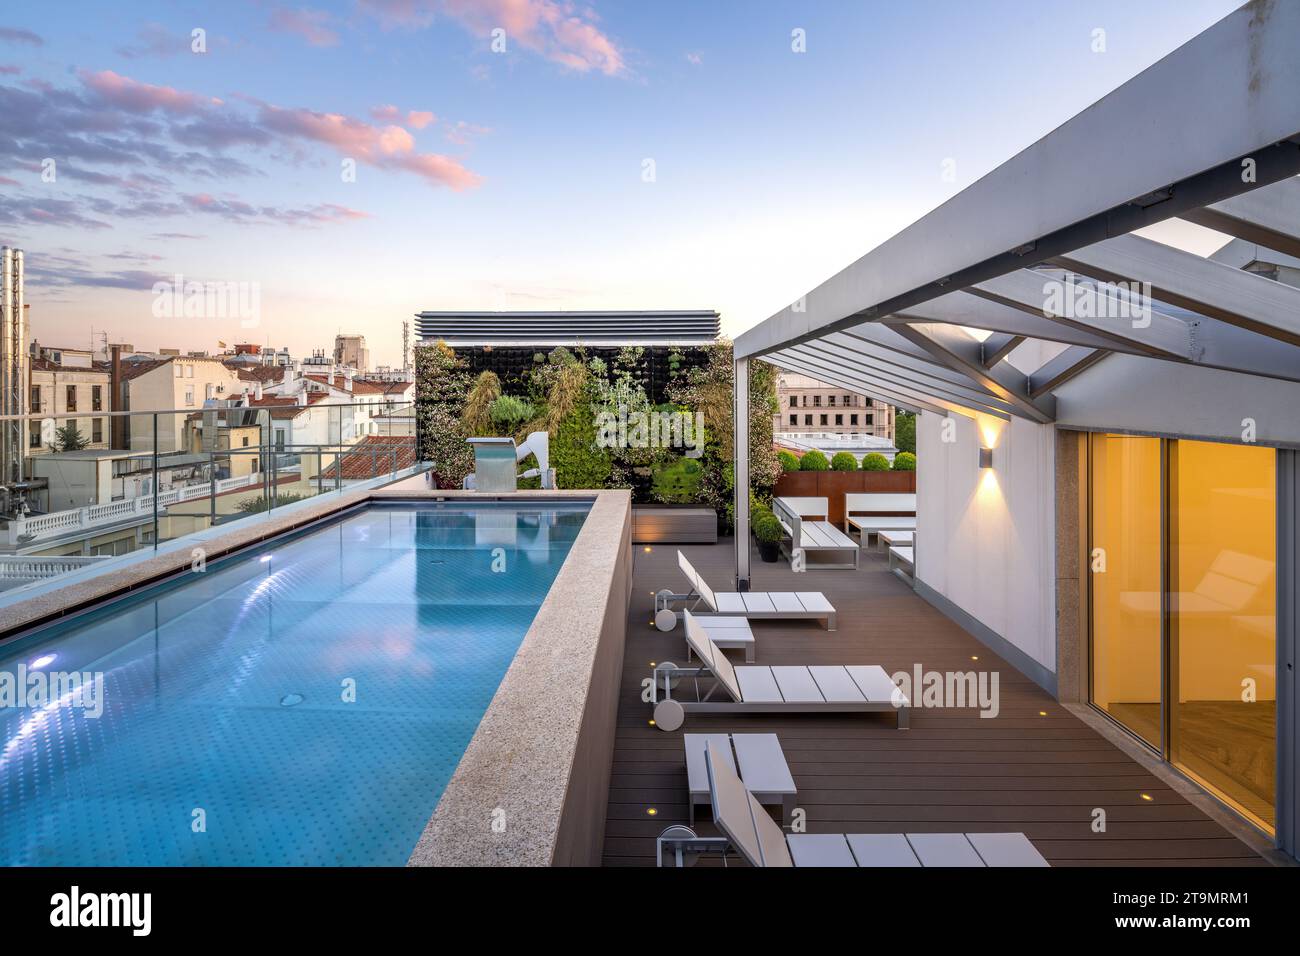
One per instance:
[(740, 445)]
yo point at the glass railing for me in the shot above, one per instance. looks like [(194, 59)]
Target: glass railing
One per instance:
[(97, 485)]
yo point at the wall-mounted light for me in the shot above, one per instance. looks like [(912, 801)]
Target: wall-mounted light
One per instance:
[(986, 457)]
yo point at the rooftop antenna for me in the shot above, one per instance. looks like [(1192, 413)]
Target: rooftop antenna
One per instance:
[(406, 347)]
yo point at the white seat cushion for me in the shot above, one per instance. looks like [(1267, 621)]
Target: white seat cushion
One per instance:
[(944, 849), (797, 685), (882, 849), (820, 849), (836, 685), (758, 686)]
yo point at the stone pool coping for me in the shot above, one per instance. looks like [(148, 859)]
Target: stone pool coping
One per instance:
[(539, 761), (538, 765)]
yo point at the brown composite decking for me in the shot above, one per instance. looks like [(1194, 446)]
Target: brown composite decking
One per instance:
[(953, 771)]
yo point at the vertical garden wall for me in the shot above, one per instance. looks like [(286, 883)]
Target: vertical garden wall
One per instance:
[(606, 432)]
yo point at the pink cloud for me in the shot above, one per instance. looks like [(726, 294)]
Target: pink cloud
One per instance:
[(312, 25), (558, 30), (461, 132), (10, 70), (386, 114), (419, 119), (136, 97), (385, 147)]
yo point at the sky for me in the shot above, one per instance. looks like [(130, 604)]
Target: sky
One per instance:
[(352, 162)]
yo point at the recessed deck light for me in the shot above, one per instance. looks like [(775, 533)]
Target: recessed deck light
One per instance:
[(265, 558), (652, 812), (647, 549), (651, 721), (1042, 713), (1147, 797), (974, 657)]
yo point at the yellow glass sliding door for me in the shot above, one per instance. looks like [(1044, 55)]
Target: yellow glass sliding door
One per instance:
[(1125, 577), (1222, 620)]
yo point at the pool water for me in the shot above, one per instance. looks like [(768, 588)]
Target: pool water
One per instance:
[(304, 703)]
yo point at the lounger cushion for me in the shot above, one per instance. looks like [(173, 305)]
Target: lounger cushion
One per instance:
[(758, 602), (797, 685), (820, 849), (882, 849), (697, 775), (758, 685), (836, 685), (875, 684), (944, 849), (730, 602), (730, 802), (815, 601), (762, 764), (1006, 849)]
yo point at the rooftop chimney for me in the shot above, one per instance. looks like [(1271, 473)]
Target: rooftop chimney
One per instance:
[(257, 394)]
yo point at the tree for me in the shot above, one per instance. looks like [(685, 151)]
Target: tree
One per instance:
[(69, 438), (875, 462), (814, 460), (844, 461), (905, 432)]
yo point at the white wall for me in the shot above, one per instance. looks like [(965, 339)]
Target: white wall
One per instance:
[(986, 538)]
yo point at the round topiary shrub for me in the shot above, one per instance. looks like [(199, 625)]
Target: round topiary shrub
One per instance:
[(767, 528), (904, 461), (815, 461), (844, 461), (789, 460), (875, 462)]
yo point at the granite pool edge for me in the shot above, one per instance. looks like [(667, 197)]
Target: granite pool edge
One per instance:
[(511, 800)]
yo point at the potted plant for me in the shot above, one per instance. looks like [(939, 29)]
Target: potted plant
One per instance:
[(768, 532)]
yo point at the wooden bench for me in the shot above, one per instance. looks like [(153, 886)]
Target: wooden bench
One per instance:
[(818, 540), (653, 524), (870, 513)]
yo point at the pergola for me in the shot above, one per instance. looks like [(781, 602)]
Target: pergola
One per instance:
[(993, 301)]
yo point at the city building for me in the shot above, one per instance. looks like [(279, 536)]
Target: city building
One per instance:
[(66, 382), (168, 384), (511, 343), (809, 405), (350, 350)]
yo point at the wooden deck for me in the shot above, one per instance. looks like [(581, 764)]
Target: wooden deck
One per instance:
[(1035, 768)]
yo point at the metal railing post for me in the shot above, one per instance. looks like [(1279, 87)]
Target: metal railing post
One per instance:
[(156, 489), (212, 489)]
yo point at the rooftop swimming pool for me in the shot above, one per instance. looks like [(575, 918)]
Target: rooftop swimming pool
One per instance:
[(301, 703)]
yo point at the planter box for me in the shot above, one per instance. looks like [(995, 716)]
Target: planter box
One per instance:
[(834, 485), (673, 524)]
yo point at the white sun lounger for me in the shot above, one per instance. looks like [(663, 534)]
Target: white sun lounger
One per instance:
[(826, 689), (749, 831), (759, 761), (754, 605)]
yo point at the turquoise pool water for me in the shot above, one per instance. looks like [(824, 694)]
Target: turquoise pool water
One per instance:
[(301, 704)]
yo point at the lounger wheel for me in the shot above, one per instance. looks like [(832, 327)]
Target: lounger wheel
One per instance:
[(680, 834), (669, 715), (665, 678), (665, 619)]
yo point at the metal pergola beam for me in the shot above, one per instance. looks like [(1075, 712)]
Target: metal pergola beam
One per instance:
[(1057, 371), (1269, 216), (906, 399), (961, 353), (998, 346), (1231, 295), (859, 382), (923, 372), (976, 312), (1082, 306), (962, 394)]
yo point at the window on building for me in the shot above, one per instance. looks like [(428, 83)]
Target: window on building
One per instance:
[(36, 398), (794, 401), (848, 400), (279, 439), (853, 419), (71, 400), (830, 400), (807, 419), (245, 440), (871, 418), (794, 419), (189, 371), (189, 394), (817, 401), (97, 398), (34, 440), (839, 419), (823, 420), (97, 430), (180, 370)]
